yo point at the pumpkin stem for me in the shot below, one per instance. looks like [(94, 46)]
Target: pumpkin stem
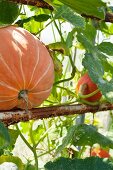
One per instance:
[(23, 94)]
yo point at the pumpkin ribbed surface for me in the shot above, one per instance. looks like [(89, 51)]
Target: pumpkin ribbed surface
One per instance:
[(25, 66)]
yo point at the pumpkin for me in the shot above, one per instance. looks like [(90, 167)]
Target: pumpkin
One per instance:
[(26, 69), (102, 153), (88, 87)]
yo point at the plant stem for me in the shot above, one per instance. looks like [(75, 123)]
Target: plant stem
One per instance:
[(23, 138), (43, 136), (33, 149), (81, 151), (47, 135), (34, 146), (60, 33), (88, 95), (36, 158), (46, 152)]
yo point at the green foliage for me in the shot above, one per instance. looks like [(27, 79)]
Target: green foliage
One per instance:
[(13, 137), (87, 7), (77, 164), (106, 47), (70, 38), (4, 136), (95, 63), (37, 18), (69, 15), (9, 12), (84, 135)]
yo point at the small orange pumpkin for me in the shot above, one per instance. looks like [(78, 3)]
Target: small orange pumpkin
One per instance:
[(89, 87), (26, 69), (100, 153)]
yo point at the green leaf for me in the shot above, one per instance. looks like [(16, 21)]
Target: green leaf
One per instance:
[(32, 26), (4, 136), (9, 12), (94, 66), (88, 135), (37, 18), (81, 135), (91, 163), (67, 139), (106, 65), (69, 39), (24, 126), (106, 47), (41, 17), (87, 7), (87, 36), (38, 133), (13, 137), (69, 15), (15, 160)]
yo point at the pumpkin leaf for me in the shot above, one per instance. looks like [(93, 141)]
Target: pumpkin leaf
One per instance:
[(91, 163), (106, 47), (4, 136), (15, 160), (68, 14), (67, 139), (41, 17), (9, 12), (70, 38), (38, 18), (97, 71), (81, 135), (87, 38), (13, 137), (87, 7), (88, 135)]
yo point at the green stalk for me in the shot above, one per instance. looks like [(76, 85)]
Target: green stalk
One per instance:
[(48, 141), (46, 152), (45, 27), (34, 145), (59, 31), (44, 135), (23, 138), (33, 149), (89, 103), (81, 151), (88, 95)]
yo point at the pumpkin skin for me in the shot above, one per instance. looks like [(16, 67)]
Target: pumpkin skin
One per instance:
[(25, 66), (90, 87), (100, 153)]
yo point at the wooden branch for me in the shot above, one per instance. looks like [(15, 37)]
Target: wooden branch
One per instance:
[(37, 3), (43, 4), (15, 116), (108, 17)]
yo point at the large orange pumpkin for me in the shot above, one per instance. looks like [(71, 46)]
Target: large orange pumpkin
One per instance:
[(26, 69)]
